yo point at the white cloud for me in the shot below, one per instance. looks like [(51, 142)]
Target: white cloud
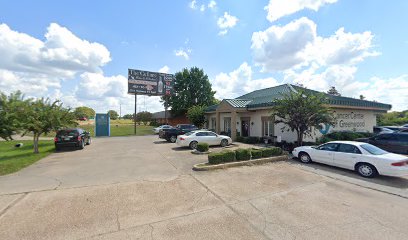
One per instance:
[(226, 22), (164, 69), (33, 66), (193, 4), (202, 8), (239, 82), (183, 53), (296, 45), (212, 4), (280, 8), (279, 48)]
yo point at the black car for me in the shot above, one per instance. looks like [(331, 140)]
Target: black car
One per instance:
[(171, 134), (396, 142), (72, 137)]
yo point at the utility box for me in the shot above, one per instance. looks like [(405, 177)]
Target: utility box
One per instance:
[(102, 125)]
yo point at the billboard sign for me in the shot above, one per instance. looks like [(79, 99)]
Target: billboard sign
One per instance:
[(150, 83)]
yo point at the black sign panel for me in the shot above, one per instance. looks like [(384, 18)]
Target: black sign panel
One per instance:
[(150, 83)]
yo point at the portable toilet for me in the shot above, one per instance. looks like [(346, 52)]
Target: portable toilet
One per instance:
[(102, 125)]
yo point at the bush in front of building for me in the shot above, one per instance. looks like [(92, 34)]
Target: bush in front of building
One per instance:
[(221, 157), (243, 154), (215, 158), (272, 151), (228, 156), (249, 140), (202, 147), (256, 153), (343, 136)]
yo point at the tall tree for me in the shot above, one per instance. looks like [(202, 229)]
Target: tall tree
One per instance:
[(196, 115), (113, 114), (362, 97), (192, 87), (333, 91), (303, 112), (42, 116), (144, 116), (81, 112), (11, 107)]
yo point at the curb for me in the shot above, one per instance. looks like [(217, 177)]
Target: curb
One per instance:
[(201, 167), (200, 153)]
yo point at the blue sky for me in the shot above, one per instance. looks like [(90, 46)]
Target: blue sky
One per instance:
[(79, 51)]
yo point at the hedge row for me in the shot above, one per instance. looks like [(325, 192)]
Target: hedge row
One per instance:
[(344, 136), (243, 154), (249, 140)]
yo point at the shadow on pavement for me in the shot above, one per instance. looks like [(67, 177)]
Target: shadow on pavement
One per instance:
[(396, 182), (161, 142)]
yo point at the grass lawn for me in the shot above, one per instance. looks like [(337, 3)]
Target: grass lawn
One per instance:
[(13, 159), (121, 129)]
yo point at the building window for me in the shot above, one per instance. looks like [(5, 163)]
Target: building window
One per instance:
[(227, 125), (267, 126), (213, 123)]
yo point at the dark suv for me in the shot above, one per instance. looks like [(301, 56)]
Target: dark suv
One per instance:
[(396, 142), (72, 137), (171, 134)]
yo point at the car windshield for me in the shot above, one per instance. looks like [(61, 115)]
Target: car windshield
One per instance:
[(189, 133), (67, 133), (373, 149)]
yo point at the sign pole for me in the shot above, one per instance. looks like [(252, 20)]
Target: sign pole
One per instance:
[(134, 116)]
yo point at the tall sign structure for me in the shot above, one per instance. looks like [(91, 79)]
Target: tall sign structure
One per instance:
[(149, 83)]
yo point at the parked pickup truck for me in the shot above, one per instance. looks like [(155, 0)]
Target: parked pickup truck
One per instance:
[(171, 134)]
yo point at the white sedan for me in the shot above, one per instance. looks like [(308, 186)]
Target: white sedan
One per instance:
[(191, 139), (366, 159), (157, 130)]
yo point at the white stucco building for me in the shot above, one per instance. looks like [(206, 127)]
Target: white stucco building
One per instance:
[(250, 115)]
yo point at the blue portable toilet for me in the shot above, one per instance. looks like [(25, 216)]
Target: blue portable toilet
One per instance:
[(102, 125)]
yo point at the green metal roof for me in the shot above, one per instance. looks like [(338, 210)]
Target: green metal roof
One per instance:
[(265, 98)]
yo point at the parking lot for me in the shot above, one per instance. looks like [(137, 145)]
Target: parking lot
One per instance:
[(144, 188)]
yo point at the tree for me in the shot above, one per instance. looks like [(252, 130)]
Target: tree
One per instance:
[(42, 116), (81, 112), (196, 115), (144, 116), (11, 107), (191, 88), (128, 116), (302, 111), (362, 97), (333, 91), (113, 114)]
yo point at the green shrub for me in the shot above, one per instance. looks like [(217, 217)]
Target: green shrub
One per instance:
[(228, 156), (253, 140), (221, 157), (240, 139), (243, 154), (202, 147), (343, 136), (215, 158), (256, 153), (272, 151)]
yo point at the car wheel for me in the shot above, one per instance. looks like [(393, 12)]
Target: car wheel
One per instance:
[(173, 139), (366, 170), (82, 145), (224, 142), (304, 157), (89, 141), (193, 145)]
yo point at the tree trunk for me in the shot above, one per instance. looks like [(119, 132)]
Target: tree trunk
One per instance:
[(300, 138), (36, 137)]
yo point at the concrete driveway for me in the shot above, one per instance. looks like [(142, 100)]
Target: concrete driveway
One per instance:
[(143, 188)]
